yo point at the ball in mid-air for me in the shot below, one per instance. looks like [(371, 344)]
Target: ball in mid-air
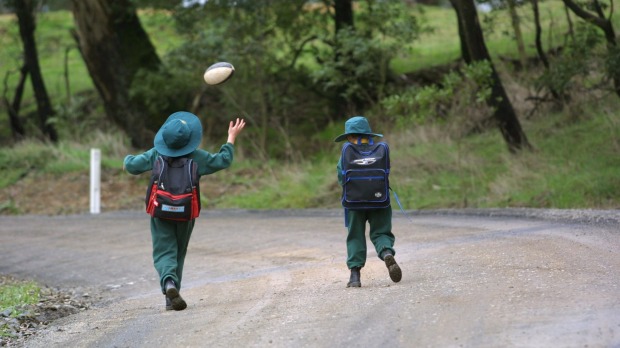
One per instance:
[(219, 73)]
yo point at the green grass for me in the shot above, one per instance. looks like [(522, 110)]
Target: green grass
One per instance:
[(442, 45), (54, 44), (67, 156), (300, 186), (573, 165), (14, 295)]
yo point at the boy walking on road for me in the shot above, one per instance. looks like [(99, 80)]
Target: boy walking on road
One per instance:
[(178, 137), (363, 171)]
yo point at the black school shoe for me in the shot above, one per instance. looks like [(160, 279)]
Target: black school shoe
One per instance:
[(173, 297), (168, 304), (394, 270), (354, 280)]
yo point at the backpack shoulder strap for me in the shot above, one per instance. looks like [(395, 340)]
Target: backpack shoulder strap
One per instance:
[(345, 147), (158, 167), (387, 153), (192, 166)]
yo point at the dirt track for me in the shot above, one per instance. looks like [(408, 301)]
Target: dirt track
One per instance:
[(278, 279)]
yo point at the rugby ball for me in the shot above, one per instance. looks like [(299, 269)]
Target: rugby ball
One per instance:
[(219, 73)]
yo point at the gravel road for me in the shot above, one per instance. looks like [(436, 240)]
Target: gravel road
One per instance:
[(471, 278)]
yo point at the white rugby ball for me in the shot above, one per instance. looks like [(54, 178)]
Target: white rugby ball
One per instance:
[(219, 73)]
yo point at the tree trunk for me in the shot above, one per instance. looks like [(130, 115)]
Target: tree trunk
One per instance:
[(516, 27), (539, 48), (114, 47), (343, 14), (343, 18), (504, 113), (598, 20), (24, 9), (538, 40), (17, 128), (462, 39), (605, 25), (571, 30)]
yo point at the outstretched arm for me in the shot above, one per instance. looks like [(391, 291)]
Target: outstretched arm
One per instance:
[(235, 129), (140, 163)]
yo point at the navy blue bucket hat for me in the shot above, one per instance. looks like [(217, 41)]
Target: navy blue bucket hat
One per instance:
[(356, 125), (180, 135)]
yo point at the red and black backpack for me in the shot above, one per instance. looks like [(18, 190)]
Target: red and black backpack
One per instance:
[(174, 192)]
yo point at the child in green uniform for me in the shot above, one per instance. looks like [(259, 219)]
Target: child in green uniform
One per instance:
[(357, 131), (179, 136)]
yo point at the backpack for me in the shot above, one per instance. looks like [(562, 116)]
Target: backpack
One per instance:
[(365, 171), (174, 192)]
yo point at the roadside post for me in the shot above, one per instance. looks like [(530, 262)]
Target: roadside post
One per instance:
[(95, 181)]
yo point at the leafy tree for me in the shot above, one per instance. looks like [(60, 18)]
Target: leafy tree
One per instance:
[(276, 46), (344, 26), (574, 65), (515, 20), (356, 69), (458, 100), (476, 50), (557, 97), (24, 9), (115, 48), (343, 14), (17, 127), (596, 17), (268, 43)]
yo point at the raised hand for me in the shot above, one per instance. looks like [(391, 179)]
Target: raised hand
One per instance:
[(234, 129)]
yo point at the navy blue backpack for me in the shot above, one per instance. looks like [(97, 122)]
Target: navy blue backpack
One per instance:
[(365, 171)]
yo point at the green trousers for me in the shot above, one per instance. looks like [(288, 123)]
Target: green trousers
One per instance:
[(380, 221), (170, 241)]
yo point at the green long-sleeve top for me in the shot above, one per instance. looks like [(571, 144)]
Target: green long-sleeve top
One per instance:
[(339, 168), (208, 163)]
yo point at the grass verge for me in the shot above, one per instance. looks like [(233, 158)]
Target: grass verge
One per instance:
[(574, 164), (15, 295)]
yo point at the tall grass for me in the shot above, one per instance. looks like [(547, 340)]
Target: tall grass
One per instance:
[(32, 156), (575, 164)]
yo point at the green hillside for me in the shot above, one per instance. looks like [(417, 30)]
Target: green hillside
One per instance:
[(574, 164)]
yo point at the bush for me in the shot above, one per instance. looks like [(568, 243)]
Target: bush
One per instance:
[(459, 99)]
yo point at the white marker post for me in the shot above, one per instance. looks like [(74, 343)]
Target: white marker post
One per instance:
[(95, 181)]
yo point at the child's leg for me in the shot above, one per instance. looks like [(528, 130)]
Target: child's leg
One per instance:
[(381, 235), (356, 239), (184, 232), (165, 250), (170, 241)]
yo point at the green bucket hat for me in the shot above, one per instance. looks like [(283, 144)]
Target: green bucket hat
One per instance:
[(180, 135), (356, 125)]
